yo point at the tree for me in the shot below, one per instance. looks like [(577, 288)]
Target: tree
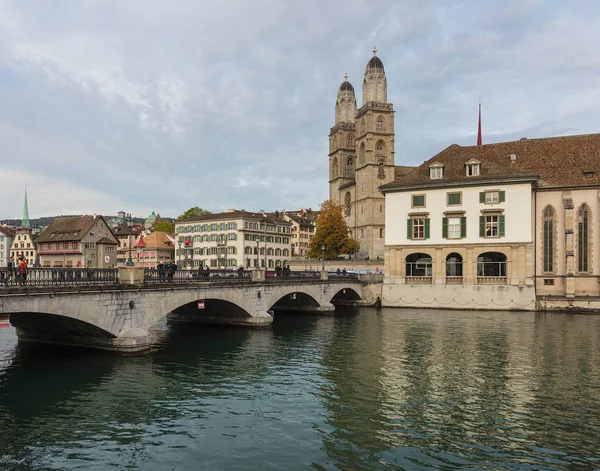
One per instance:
[(164, 226), (332, 231), (193, 212)]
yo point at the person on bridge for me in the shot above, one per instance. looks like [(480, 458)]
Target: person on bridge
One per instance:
[(22, 271), (161, 272)]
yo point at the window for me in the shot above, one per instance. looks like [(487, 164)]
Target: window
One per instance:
[(453, 228), (418, 228), (454, 199), (548, 241), (548, 282), (491, 225), (380, 151), (350, 167), (334, 168), (436, 172), (381, 233), (380, 124), (361, 153), (350, 141), (418, 201), (583, 239), (348, 204), (418, 264), (491, 264), (492, 197), (472, 170)]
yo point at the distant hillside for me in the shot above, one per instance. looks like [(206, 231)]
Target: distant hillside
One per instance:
[(44, 221)]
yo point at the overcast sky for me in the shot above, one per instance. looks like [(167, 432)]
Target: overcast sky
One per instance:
[(145, 105)]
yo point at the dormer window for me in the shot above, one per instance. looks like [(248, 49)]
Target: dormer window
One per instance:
[(472, 168), (436, 171), (589, 173)]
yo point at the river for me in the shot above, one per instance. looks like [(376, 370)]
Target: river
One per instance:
[(366, 389)]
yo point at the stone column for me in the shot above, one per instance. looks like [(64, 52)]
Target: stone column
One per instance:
[(470, 267), (131, 275)]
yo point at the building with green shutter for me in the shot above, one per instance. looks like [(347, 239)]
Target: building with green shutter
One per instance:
[(509, 225)]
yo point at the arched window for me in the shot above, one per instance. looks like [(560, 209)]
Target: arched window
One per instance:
[(334, 167), (350, 167), (381, 232), (348, 204), (454, 265), (380, 151), (548, 247), (491, 264), (418, 264), (380, 124), (583, 238), (361, 153), (381, 172), (350, 141)]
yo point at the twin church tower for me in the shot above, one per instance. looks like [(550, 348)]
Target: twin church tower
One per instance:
[(361, 157)]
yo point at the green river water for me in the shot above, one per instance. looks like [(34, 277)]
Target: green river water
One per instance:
[(366, 389)]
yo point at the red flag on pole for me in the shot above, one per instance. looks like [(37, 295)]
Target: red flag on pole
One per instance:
[(479, 140)]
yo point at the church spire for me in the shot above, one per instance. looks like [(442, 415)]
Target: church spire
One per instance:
[(479, 140), (25, 221)]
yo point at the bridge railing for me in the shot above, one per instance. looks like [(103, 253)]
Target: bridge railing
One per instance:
[(58, 276), (280, 275), (155, 275), (334, 275)]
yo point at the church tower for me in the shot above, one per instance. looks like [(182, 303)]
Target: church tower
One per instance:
[(342, 156), (375, 166)]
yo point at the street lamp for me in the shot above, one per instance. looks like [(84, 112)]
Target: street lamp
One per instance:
[(179, 252), (257, 252), (323, 259), (129, 262)]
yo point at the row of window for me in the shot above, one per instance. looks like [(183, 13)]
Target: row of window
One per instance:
[(271, 239), (456, 227), (223, 226), (211, 238), (455, 198), (582, 239), (472, 169), (489, 264)]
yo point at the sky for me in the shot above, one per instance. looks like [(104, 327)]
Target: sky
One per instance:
[(143, 105)]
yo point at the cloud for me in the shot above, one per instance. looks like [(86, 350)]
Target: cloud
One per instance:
[(141, 106)]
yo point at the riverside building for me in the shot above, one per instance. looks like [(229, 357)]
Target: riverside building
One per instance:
[(232, 239)]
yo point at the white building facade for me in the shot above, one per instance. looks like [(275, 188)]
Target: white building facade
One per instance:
[(233, 239), (459, 234), (6, 239)]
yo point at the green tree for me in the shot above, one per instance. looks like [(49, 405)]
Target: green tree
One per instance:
[(193, 212), (332, 231), (164, 226)]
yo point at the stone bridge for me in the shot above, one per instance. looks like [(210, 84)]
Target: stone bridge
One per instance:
[(120, 316)]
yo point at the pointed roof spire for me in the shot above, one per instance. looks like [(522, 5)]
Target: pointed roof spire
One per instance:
[(25, 221), (479, 140), (140, 244)]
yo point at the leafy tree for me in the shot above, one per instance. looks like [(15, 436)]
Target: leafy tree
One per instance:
[(164, 226), (332, 231), (193, 212)]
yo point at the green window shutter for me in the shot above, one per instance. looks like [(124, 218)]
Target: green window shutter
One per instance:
[(409, 230), (445, 228), (481, 226), (463, 227), (426, 228), (501, 196), (501, 226), (482, 196)]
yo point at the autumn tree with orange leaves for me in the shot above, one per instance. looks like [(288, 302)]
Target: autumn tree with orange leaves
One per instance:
[(332, 231)]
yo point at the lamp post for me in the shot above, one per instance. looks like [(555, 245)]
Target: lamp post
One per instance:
[(129, 262), (179, 252), (323, 259), (257, 253)]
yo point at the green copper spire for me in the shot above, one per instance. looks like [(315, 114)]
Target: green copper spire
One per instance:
[(25, 221)]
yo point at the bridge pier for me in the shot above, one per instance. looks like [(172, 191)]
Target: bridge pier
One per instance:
[(132, 340)]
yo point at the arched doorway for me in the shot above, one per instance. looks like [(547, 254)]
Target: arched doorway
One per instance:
[(491, 267), (454, 268), (418, 265)]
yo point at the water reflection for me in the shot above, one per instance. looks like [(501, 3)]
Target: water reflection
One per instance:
[(391, 389)]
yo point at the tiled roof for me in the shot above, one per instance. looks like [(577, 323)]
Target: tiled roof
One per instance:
[(70, 229), (106, 241), (8, 232), (121, 230), (271, 218), (560, 161), (158, 240)]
